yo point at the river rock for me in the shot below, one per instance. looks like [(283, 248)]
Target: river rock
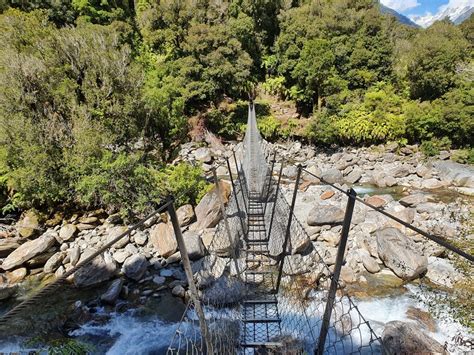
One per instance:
[(327, 195), (54, 262), (442, 272), (67, 232), (110, 296), (455, 173), (163, 240), (28, 226), (159, 280), (17, 275), (140, 238), (400, 254), (413, 200), (178, 291), (376, 201), (28, 251), (7, 246), (407, 338), (369, 263), (185, 215), (114, 232), (224, 291), (322, 215), (315, 173), (203, 154), (194, 245), (74, 255), (207, 270), (332, 176), (7, 291), (432, 184), (101, 269), (121, 255), (208, 211), (135, 266), (354, 176)]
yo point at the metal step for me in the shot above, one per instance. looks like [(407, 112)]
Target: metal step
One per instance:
[(262, 320), (265, 344), (260, 301), (256, 272)]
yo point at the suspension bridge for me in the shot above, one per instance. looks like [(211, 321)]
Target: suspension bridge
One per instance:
[(249, 296)]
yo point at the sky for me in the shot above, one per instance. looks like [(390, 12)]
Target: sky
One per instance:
[(423, 9)]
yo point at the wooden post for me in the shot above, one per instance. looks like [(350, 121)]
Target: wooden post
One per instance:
[(337, 271), (189, 276)]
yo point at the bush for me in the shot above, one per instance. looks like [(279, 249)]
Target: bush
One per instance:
[(269, 127), (464, 156), (434, 146)]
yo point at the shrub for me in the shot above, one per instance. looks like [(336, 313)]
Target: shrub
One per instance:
[(269, 127), (434, 146)]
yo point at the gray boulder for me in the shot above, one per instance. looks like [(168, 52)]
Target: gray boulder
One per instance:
[(208, 211), (7, 291), (101, 269), (194, 245), (207, 270), (322, 215), (407, 338), (114, 232), (354, 176), (203, 154), (135, 267), (332, 176), (400, 254), (224, 291), (110, 296), (413, 200), (28, 251)]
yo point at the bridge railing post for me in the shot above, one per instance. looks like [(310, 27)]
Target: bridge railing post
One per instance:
[(269, 183), (337, 271), (239, 176), (189, 275), (288, 228), (270, 226), (234, 191)]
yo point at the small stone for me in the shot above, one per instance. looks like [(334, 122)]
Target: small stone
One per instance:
[(325, 215), (178, 291), (114, 233), (74, 255), (159, 280), (185, 215), (17, 275), (176, 257), (327, 195), (166, 273), (84, 226), (140, 238), (376, 201), (54, 262)]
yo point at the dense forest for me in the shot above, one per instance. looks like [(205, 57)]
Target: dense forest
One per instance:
[(97, 95)]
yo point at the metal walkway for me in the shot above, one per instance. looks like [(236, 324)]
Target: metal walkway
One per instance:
[(261, 320)]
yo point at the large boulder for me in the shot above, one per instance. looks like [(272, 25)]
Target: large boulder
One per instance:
[(413, 200), (28, 251), (7, 246), (203, 154), (224, 291), (407, 338), (194, 245), (322, 215), (29, 225), (163, 240), (101, 269), (455, 173), (185, 215), (207, 270), (354, 176), (135, 266), (208, 211), (400, 254)]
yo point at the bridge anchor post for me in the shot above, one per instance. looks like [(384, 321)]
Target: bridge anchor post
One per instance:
[(189, 275), (337, 271)]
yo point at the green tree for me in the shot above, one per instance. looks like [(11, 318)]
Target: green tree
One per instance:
[(436, 53)]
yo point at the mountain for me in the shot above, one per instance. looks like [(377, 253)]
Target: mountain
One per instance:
[(456, 14), (403, 19)]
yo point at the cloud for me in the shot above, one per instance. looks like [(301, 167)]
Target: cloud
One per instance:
[(401, 5)]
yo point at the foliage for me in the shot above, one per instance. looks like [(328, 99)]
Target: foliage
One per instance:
[(269, 127), (434, 146), (464, 156)]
